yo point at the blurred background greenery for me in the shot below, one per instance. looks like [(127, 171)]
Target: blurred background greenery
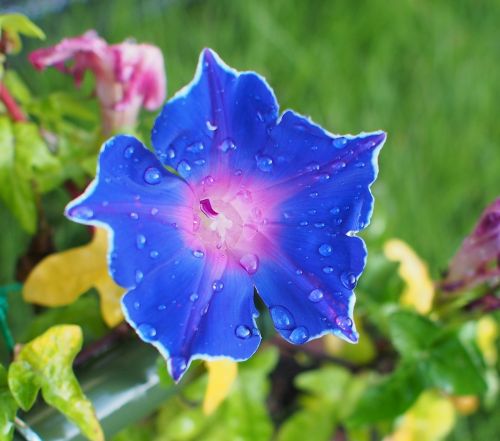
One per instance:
[(424, 71)]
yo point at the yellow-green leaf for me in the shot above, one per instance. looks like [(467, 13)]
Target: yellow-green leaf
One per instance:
[(221, 376), (8, 408), (46, 363), (419, 291), (61, 278), (431, 418), (15, 24)]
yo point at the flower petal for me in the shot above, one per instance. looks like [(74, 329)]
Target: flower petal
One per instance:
[(218, 121), (309, 294), (195, 307), (140, 203)]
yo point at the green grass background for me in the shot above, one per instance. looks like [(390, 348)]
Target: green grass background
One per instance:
[(427, 72)]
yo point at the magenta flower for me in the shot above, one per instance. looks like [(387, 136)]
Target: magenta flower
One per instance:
[(259, 201), (477, 259), (128, 75)]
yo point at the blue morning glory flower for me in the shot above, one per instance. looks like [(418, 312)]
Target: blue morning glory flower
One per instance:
[(258, 201)]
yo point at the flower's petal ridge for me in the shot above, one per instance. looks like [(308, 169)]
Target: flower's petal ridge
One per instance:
[(217, 122), (140, 203), (189, 311)]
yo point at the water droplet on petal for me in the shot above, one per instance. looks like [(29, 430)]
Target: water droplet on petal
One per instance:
[(315, 295), (338, 165), (226, 145), (177, 366), (338, 221), (152, 176), (140, 241), (198, 253), (328, 269), (339, 143), (348, 280), (199, 162), (299, 335), (323, 177), (325, 249), (299, 272), (343, 322), (359, 164), (335, 210), (162, 307), (211, 127), (154, 211), (243, 332), (82, 212), (313, 166), (136, 305), (193, 297), (195, 147), (250, 262), (312, 211), (217, 286), (282, 317), (314, 194), (304, 223), (238, 172), (170, 153), (184, 169), (264, 163), (147, 332), (134, 215), (139, 275), (319, 225), (128, 152)]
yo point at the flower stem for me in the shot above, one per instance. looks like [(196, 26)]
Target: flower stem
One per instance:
[(10, 104)]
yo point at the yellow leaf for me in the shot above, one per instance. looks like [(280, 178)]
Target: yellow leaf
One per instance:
[(419, 291), (61, 278), (431, 418), (221, 376), (487, 333)]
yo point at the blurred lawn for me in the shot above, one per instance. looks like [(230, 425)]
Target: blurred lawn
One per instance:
[(427, 72)]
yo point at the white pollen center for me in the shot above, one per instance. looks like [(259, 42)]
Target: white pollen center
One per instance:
[(220, 224)]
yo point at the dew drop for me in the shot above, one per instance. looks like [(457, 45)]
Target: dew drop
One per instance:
[(217, 286), (335, 210), (328, 269), (282, 317), (339, 165), (195, 147), (325, 249), (313, 166), (315, 295), (343, 322), (339, 143), (304, 223), (319, 225), (312, 211), (139, 275), (147, 332), (299, 272), (250, 263), (238, 172), (243, 332), (314, 194), (136, 305), (170, 153), (348, 280), (359, 164), (323, 177), (162, 307), (152, 176), (198, 253), (264, 163), (178, 366), (184, 169), (82, 212), (133, 215), (226, 145), (299, 335), (210, 126), (154, 211), (128, 152), (140, 241), (193, 297)]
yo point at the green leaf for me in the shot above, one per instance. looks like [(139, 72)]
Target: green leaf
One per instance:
[(8, 408), (16, 190), (15, 24), (318, 424), (390, 397), (46, 363), (451, 368), (411, 333)]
